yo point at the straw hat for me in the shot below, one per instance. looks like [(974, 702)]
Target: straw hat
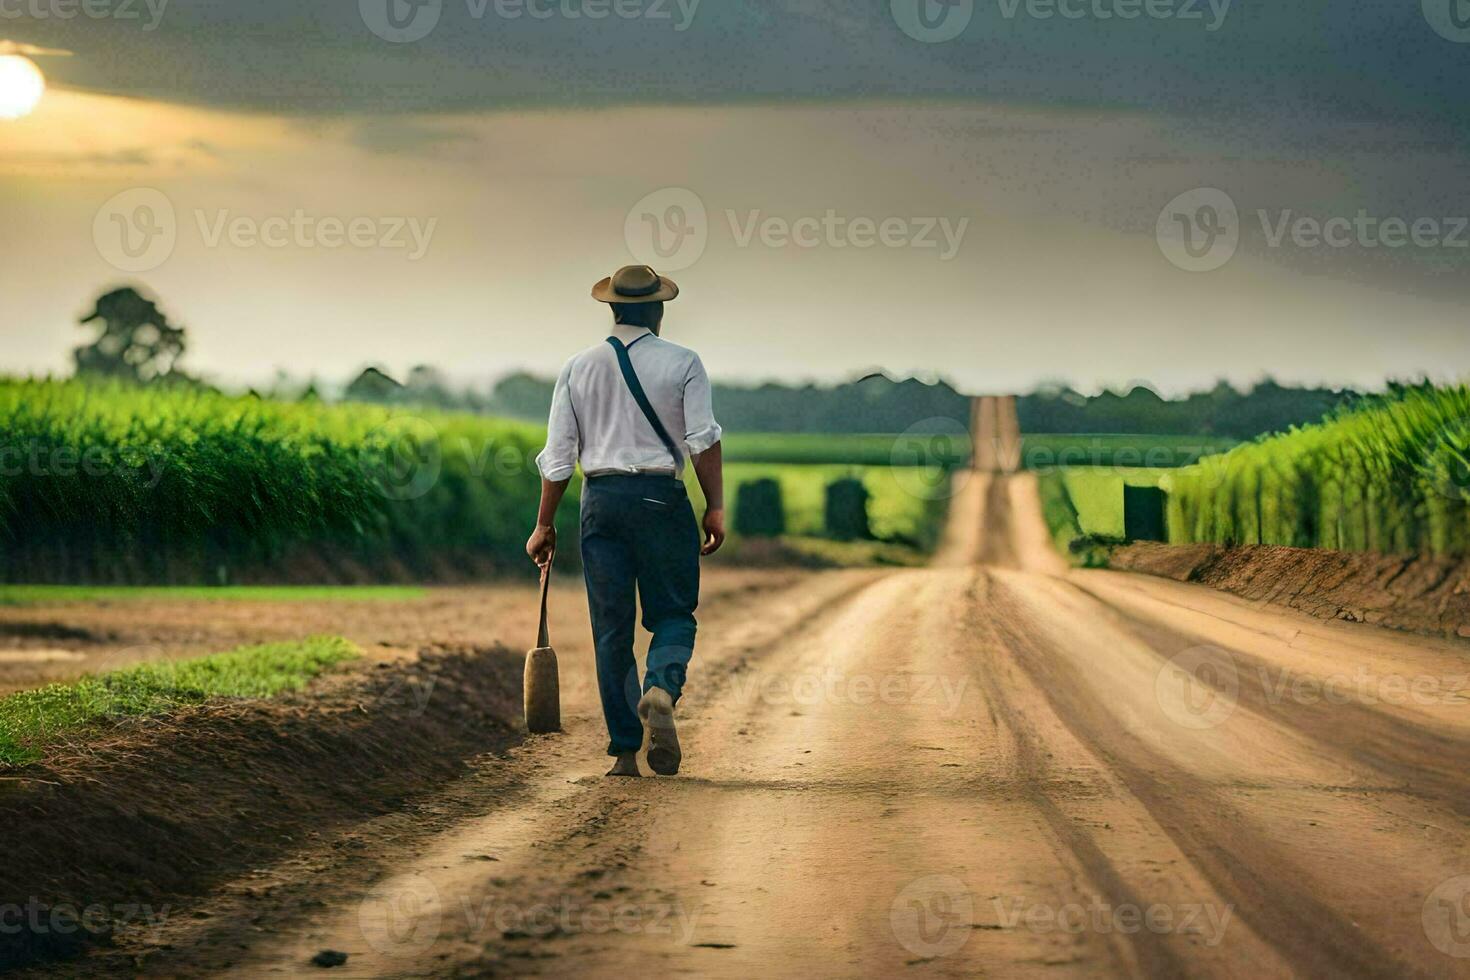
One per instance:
[(635, 284)]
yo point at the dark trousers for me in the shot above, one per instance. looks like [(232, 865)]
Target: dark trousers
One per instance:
[(639, 532)]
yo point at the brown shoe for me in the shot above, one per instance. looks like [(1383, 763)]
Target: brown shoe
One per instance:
[(657, 711)]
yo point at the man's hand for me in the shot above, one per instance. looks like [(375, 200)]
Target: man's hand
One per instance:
[(541, 543), (714, 531), (709, 466)]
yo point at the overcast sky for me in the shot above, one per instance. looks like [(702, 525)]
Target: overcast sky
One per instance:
[(836, 186)]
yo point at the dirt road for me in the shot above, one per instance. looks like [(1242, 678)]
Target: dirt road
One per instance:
[(992, 766)]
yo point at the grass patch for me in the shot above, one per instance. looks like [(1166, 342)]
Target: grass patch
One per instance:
[(33, 721), (1088, 549), (1096, 493), (45, 595)]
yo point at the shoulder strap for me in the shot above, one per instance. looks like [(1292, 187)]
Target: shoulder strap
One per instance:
[(636, 387)]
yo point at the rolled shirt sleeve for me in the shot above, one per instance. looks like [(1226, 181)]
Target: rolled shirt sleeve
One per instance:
[(558, 460), (701, 431)]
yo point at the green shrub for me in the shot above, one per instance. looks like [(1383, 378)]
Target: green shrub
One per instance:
[(759, 512), (846, 510)]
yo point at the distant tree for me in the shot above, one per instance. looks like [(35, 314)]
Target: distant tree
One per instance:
[(137, 341), (759, 512), (522, 396), (428, 385), (373, 385)]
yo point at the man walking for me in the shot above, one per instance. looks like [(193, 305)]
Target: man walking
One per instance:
[(630, 409)]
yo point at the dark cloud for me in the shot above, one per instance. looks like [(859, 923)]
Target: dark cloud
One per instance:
[(1370, 60)]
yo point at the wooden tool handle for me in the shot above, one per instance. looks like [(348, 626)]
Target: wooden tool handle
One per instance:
[(543, 639)]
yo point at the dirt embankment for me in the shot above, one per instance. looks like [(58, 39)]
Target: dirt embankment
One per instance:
[(121, 831), (1416, 593)]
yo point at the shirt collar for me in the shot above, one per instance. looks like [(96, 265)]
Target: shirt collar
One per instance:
[(628, 333)]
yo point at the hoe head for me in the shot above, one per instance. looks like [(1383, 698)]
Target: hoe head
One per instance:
[(543, 692), (542, 688)]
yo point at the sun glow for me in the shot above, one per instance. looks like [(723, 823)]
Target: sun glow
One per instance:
[(21, 86)]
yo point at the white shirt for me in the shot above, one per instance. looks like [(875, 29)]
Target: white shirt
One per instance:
[(595, 420)]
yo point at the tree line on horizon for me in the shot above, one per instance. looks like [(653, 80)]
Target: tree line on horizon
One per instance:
[(879, 404), (137, 343)]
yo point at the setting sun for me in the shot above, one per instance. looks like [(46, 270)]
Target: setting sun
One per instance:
[(21, 86)]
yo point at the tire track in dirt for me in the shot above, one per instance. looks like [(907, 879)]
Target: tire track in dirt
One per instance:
[(1237, 837), (1150, 954), (1421, 759)]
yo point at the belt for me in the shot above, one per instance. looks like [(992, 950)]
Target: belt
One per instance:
[(651, 471), (636, 483)]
